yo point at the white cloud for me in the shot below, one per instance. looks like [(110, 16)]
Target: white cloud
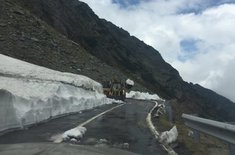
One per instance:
[(163, 24)]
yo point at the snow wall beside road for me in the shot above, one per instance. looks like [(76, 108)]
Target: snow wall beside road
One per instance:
[(30, 94), (17, 112)]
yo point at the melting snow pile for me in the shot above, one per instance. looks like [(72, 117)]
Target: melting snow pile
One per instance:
[(142, 95), (74, 135), (169, 136), (31, 94), (130, 82)]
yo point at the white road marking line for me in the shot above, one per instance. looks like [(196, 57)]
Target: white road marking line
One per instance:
[(93, 118), (58, 137)]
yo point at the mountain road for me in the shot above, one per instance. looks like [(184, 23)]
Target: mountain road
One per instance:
[(122, 128)]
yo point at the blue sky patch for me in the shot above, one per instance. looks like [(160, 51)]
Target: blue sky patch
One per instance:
[(189, 45), (193, 9), (126, 3), (188, 48), (203, 6)]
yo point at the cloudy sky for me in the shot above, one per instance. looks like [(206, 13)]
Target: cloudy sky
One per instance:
[(197, 37)]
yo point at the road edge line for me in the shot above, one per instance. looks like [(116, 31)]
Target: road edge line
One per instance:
[(94, 117), (156, 134)]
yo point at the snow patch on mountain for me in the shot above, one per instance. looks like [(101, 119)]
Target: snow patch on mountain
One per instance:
[(16, 68), (130, 82)]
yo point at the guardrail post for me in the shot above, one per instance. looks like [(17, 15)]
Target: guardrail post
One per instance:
[(22, 123), (232, 149), (196, 136), (168, 109)]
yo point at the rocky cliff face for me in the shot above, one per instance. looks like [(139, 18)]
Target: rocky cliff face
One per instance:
[(98, 41)]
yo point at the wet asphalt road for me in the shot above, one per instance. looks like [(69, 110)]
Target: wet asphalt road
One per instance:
[(126, 124), (58, 149)]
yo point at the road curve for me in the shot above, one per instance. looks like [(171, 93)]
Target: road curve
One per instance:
[(125, 127)]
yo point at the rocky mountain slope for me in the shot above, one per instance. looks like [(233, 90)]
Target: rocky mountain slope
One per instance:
[(99, 49), (107, 42), (26, 37)]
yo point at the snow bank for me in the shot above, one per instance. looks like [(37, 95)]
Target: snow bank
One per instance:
[(130, 82), (169, 136), (30, 94), (142, 95)]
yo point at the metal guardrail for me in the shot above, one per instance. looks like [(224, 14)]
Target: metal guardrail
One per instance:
[(217, 129), (223, 131)]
